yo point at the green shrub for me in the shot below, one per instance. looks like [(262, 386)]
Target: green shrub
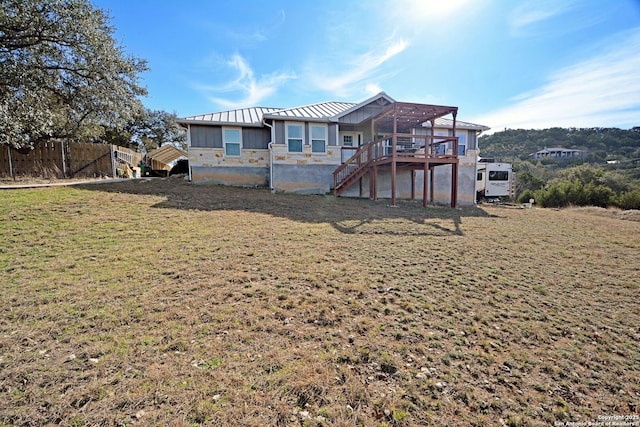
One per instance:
[(598, 195), (561, 192), (525, 196), (628, 200), (551, 196)]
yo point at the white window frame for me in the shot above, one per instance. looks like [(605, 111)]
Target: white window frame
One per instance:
[(462, 142), (225, 142), (325, 139), (286, 136)]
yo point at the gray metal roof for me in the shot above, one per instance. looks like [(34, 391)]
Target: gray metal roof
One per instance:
[(442, 122), (381, 97), (323, 111), (241, 117)]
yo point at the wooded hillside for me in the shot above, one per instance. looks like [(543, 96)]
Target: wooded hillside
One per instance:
[(600, 143), (579, 181)]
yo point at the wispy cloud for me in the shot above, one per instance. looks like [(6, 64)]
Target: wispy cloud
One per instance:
[(527, 17), (356, 74), (601, 91), (251, 35), (246, 88)]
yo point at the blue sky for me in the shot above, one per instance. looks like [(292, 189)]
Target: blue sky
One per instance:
[(504, 63)]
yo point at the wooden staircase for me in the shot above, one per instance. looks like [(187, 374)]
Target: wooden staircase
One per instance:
[(358, 165)]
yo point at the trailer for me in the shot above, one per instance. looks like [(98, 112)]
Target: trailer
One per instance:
[(494, 181)]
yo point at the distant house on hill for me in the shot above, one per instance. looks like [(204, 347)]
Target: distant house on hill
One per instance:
[(377, 148), (558, 153)]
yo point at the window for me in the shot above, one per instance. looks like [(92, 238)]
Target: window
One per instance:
[(347, 140), (462, 144), (295, 137), (318, 139), (472, 141), (498, 176), (480, 176), (441, 148), (388, 147), (232, 139)]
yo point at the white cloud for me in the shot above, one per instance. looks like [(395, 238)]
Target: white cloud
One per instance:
[(528, 15), (601, 91), (355, 73), (372, 89), (247, 89)]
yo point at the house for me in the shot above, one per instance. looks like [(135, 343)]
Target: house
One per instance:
[(557, 153), (377, 148)]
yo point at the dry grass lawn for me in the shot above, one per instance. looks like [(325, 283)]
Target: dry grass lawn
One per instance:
[(165, 303)]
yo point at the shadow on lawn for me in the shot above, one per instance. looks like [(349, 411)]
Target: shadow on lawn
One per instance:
[(347, 215)]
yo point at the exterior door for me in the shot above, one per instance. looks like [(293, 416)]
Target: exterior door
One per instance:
[(350, 141)]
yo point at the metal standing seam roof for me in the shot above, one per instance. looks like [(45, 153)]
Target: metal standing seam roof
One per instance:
[(323, 111), (243, 117), (253, 116), (442, 122)]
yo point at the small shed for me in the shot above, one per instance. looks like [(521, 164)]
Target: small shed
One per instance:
[(163, 159)]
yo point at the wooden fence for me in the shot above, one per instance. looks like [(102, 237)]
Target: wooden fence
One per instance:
[(62, 160)]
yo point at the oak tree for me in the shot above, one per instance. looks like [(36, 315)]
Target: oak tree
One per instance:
[(62, 74), (155, 128)]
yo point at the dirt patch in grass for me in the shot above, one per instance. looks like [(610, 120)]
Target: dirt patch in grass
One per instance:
[(159, 302), (630, 215)]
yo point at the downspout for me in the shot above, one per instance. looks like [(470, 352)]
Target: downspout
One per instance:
[(188, 151), (478, 157), (270, 146)]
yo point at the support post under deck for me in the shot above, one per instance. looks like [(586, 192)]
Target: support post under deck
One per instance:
[(373, 177), (431, 184), (454, 185), (413, 185), (425, 188), (454, 168)]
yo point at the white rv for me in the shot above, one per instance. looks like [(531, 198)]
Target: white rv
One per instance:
[(494, 181)]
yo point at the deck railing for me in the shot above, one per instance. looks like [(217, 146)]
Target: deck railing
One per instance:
[(381, 151)]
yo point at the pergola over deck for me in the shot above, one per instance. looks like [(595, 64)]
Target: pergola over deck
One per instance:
[(405, 116), (393, 125)]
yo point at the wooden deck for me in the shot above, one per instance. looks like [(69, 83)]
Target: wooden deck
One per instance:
[(423, 156), (397, 145)]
